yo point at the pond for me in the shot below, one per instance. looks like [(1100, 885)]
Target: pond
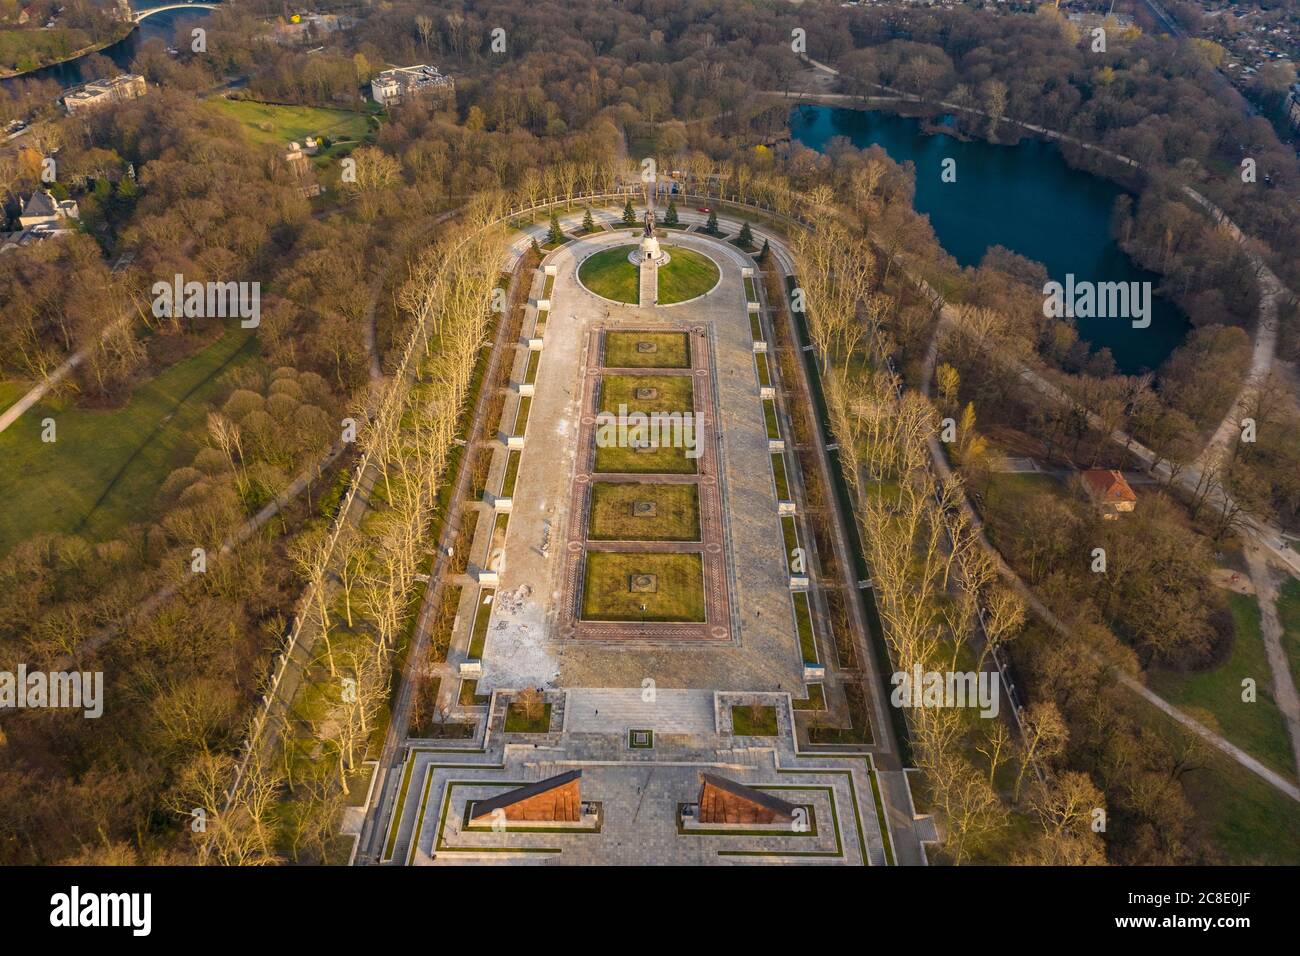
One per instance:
[(1023, 197)]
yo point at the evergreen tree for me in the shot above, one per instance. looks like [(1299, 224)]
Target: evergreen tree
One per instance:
[(670, 217), (629, 216), (588, 224), (762, 256), (537, 249), (556, 234), (712, 227), (746, 238)]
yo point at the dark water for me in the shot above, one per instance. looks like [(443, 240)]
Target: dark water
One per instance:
[(163, 26), (1023, 197)]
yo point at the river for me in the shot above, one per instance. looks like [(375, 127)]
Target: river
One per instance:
[(1024, 197), (164, 26)]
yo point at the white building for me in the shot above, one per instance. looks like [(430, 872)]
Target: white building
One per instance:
[(97, 93), (391, 86)]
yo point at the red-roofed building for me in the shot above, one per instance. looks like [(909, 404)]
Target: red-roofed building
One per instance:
[(1110, 491)]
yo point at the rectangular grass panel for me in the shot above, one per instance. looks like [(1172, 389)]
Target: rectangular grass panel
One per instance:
[(769, 417), (618, 512), (482, 615), (778, 472), (803, 621), (613, 460), (791, 536), (608, 595), (512, 474), (521, 415), (671, 350)]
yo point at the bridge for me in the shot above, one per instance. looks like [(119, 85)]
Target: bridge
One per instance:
[(140, 15)]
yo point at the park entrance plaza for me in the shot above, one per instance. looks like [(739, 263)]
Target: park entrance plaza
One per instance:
[(629, 606)]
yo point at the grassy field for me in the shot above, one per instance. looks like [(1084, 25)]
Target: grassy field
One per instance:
[(778, 472), (676, 517), (105, 467), (511, 475), (517, 721), (672, 393), (609, 273), (753, 720), (615, 460), (281, 125), (1214, 696), (678, 594), (672, 350), (687, 275), (11, 391), (1248, 821)]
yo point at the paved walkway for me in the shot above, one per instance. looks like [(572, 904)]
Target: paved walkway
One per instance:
[(1045, 614), (649, 285), (1271, 630), (618, 710)]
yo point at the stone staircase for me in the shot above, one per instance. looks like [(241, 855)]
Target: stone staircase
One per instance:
[(649, 284), (616, 711)]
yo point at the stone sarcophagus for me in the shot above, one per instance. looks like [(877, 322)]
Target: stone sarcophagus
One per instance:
[(553, 800), (725, 801)]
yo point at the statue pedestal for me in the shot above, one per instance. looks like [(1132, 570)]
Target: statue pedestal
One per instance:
[(648, 253)]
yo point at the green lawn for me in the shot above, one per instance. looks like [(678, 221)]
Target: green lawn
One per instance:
[(791, 536), (104, 469), (281, 125), (11, 391), (687, 275), (676, 514), (517, 721), (521, 415), (769, 418), (671, 350), (778, 472), (804, 626), (613, 459), (1288, 609), (1214, 696), (482, 617), (1248, 821), (678, 593), (816, 699), (609, 273), (753, 720), (512, 474), (671, 393)]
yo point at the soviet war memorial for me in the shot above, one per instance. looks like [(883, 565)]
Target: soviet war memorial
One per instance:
[(610, 433), (633, 590)]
